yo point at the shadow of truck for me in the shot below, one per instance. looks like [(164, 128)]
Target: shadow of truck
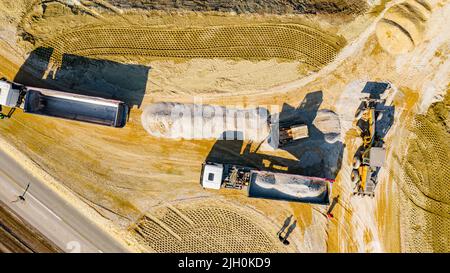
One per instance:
[(85, 76)]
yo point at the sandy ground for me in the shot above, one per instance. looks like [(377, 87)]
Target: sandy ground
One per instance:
[(126, 174)]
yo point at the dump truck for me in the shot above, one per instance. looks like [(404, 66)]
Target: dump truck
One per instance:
[(370, 156), (52, 103), (266, 184)]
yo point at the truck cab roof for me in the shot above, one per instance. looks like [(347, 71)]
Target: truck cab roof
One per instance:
[(212, 176), (9, 96)]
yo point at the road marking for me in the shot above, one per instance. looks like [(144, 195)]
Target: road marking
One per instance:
[(45, 207), (12, 181)]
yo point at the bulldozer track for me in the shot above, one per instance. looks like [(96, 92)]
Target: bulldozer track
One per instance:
[(200, 227), (432, 146), (424, 186), (263, 41)]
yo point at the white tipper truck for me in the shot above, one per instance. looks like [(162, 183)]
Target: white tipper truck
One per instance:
[(64, 105)]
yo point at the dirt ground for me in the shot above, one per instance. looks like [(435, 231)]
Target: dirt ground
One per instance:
[(252, 6), (18, 236), (149, 187)]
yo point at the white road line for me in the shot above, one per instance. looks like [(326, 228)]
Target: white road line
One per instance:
[(45, 207)]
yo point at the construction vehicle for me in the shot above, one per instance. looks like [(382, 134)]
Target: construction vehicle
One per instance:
[(288, 134), (264, 184), (64, 105), (292, 133), (370, 156)]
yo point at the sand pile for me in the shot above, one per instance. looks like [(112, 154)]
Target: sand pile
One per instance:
[(251, 6), (309, 189), (327, 122), (196, 121), (403, 26)]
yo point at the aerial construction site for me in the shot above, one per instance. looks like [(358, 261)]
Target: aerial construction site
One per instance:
[(224, 126)]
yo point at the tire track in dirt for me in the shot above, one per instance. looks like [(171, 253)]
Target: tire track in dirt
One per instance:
[(265, 41), (205, 225)]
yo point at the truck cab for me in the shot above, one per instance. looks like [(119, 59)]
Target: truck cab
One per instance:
[(212, 174), (10, 94)]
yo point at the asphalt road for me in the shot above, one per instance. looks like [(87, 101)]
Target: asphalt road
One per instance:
[(43, 209)]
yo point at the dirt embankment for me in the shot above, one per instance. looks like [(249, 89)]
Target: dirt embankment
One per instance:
[(18, 236), (403, 26), (251, 6), (250, 42), (197, 121)]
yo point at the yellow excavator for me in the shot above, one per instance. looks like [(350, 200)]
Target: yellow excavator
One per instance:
[(371, 154)]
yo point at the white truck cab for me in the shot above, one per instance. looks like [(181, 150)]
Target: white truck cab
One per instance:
[(9, 96), (212, 176)]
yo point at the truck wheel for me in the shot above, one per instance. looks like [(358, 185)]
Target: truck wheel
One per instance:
[(356, 162), (355, 176)]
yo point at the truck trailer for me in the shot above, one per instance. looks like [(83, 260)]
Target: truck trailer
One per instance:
[(64, 105), (265, 184)]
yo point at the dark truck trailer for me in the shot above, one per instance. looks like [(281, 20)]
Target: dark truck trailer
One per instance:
[(76, 107), (289, 187), (268, 185), (70, 106)]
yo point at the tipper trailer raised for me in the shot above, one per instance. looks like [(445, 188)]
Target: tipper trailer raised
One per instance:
[(264, 184), (64, 105)]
